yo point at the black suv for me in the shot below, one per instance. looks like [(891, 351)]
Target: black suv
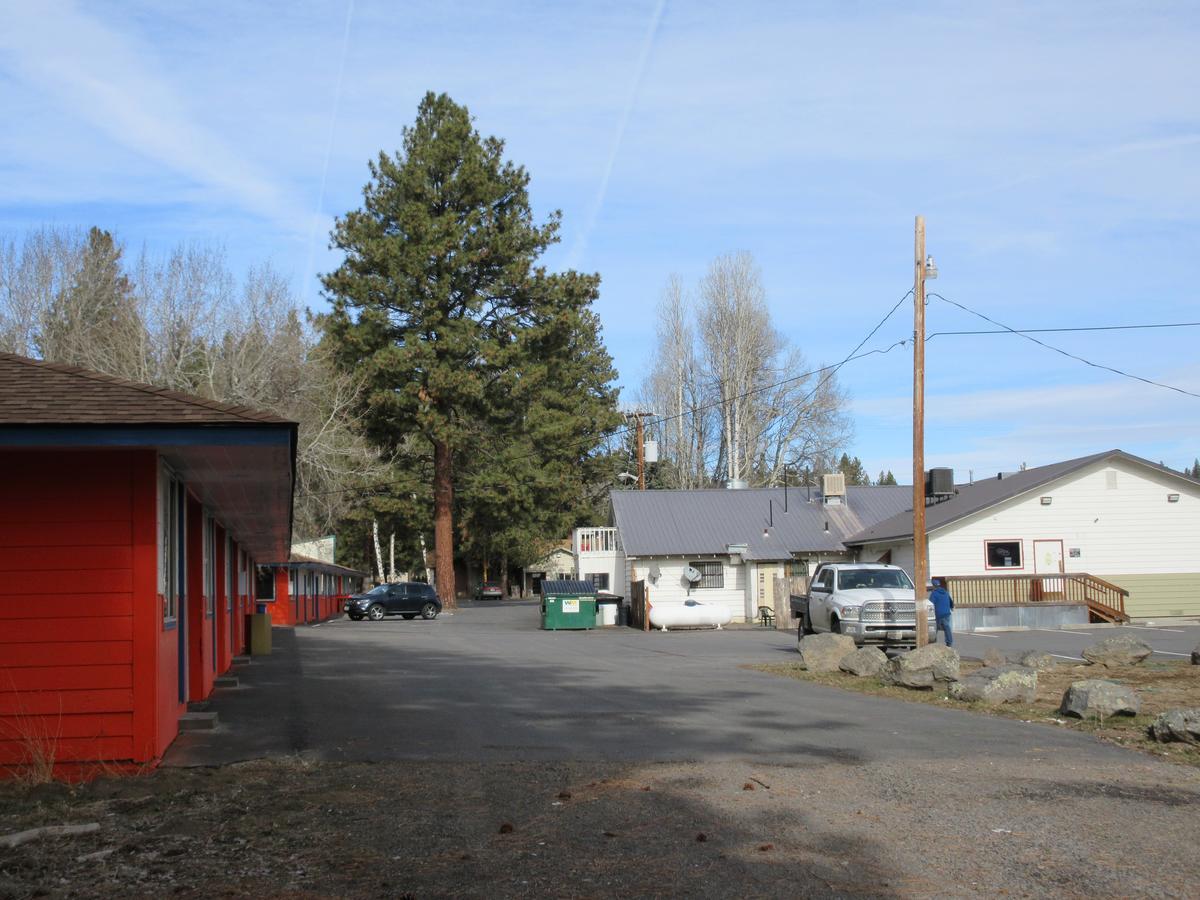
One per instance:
[(406, 598)]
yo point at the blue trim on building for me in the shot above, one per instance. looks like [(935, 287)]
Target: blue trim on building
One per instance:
[(146, 436)]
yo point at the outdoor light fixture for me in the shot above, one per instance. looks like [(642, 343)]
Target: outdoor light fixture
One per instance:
[(1172, 498), (1046, 501)]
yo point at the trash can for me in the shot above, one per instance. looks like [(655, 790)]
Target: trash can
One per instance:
[(607, 609), (260, 631), (568, 605)]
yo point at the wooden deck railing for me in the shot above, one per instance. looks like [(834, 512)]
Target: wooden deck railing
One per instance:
[(1104, 600)]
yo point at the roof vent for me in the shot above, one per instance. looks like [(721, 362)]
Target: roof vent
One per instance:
[(833, 486)]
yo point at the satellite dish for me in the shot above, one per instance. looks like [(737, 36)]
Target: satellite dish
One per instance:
[(692, 574)]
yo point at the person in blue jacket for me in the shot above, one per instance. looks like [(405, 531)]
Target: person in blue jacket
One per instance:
[(942, 604)]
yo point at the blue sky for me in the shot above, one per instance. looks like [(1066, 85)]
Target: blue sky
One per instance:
[(1053, 148)]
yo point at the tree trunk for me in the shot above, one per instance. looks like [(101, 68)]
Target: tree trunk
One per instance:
[(378, 551), (443, 522), (504, 577)]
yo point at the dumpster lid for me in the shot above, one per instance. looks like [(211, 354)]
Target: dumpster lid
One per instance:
[(567, 586)]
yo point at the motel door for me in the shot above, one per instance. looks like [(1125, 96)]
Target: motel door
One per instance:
[(1048, 558)]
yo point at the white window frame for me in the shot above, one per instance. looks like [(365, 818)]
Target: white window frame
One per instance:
[(208, 540), (228, 573), (169, 541)]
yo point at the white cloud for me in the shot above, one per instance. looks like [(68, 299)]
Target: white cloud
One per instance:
[(112, 82)]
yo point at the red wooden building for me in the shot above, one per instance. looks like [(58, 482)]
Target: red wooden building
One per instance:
[(131, 519), (305, 590)]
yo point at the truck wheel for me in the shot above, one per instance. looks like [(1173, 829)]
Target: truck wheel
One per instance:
[(835, 625)]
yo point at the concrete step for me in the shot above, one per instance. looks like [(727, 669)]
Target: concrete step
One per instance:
[(241, 661), (197, 705), (225, 681), (198, 721)]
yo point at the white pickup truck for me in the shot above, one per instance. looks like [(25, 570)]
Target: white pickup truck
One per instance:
[(870, 602)]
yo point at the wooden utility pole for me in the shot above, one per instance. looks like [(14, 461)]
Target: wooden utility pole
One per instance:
[(920, 564)]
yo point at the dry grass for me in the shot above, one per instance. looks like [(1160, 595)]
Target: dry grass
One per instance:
[(1160, 686), (38, 737)]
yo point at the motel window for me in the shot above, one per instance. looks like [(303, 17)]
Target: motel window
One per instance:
[(210, 565), (1003, 554), (264, 583), (599, 580), (712, 573), (171, 527), (228, 574)]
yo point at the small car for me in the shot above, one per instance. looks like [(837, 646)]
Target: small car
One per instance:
[(489, 590), (405, 598)]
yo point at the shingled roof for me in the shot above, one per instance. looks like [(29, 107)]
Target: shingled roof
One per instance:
[(40, 393), (979, 495)]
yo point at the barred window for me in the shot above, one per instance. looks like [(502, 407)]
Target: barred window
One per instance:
[(712, 573)]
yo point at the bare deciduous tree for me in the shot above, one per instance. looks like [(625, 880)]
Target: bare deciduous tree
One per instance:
[(736, 378), (183, 322)]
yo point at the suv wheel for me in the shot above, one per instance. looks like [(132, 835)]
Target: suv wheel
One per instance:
[(375, 613), (429, 611)]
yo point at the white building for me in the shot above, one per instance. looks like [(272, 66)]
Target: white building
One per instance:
[(739, 541), (1112, 515)]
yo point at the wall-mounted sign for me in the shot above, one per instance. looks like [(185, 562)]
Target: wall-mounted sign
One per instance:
[(1074, 553)]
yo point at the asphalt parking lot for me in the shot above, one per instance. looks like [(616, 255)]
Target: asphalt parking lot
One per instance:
[(486, 684)]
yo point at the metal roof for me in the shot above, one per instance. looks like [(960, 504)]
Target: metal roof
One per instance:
[(683, 523), (979, 495)]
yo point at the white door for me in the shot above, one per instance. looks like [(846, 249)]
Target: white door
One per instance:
[(1047, 559)]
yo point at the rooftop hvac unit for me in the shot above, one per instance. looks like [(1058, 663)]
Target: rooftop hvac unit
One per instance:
[(939, 483), (833, 486)]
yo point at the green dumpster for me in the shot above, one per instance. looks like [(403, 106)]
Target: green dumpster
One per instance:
[(568, 604)]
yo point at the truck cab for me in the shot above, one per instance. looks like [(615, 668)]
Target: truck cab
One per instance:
[(873, 603)]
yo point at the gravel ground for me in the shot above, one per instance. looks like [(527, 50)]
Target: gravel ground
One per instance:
[(1036, 826)]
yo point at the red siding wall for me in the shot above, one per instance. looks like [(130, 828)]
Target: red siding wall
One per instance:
[(67, 603), (282, 609)]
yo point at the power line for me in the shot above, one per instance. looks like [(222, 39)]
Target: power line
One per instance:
[(1070, 329), (1059, 350), (830, 369)]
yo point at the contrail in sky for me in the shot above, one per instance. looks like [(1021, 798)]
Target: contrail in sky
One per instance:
[(337, 103), (581, 240)]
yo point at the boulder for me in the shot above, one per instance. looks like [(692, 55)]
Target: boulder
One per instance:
[(994, 657), (1196, 656), (864, 661), (1177, 725), (1036, 659), (1117, 651), (922, 667), (1096, 698), (997, 684), (823, 652)]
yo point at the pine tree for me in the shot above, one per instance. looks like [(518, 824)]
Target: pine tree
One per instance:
[(886, 478), (438, 303), (853, 470), (94, 322)]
